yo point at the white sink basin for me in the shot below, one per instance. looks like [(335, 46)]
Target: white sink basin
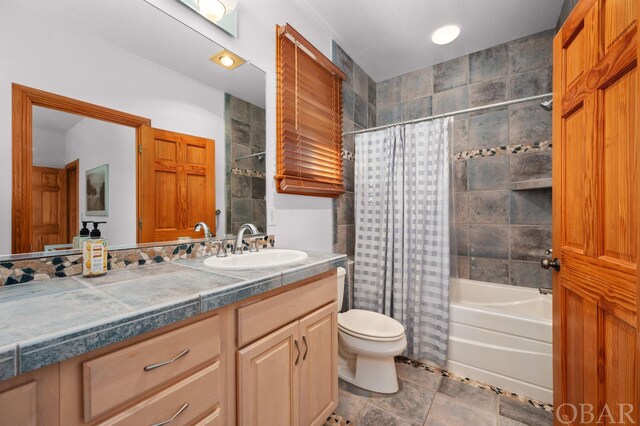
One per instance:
[(266, 258)]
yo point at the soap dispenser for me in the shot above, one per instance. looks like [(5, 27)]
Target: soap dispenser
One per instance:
[(95, 253), (82, 236)]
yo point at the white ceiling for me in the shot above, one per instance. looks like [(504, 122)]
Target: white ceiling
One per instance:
[(142, 29), (54, 120), (388, 38)]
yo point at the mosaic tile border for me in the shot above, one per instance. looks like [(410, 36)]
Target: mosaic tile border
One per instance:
[(503, 150), (46, 268), (480, 385), (336, 420), (247, 172)]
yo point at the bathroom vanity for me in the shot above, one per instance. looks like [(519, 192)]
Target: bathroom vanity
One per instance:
[(190, 346)]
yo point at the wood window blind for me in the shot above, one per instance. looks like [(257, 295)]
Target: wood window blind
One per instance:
[(309, 119)]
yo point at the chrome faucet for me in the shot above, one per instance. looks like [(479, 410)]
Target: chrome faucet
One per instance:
[(205, 227), (239, 237)]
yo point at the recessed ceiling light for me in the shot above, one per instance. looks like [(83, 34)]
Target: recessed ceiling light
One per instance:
[(446, 34), (227, 59)]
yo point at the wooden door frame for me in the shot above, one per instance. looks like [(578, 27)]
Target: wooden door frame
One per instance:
[(73, 165), (23, 100)]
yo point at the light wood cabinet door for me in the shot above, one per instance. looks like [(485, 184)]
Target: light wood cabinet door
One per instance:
[(268, 379), (31, 399), (595, 212), (319, 365)]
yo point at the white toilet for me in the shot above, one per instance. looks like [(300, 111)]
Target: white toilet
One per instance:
[(368, 342)]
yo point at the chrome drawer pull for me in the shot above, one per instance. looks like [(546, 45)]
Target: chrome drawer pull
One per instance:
[(184, 407), (160, 364), (306, 347)]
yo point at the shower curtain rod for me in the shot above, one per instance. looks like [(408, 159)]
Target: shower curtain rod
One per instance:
[(451, 114)]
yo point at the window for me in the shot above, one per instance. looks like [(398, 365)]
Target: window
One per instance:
[(309, 119)]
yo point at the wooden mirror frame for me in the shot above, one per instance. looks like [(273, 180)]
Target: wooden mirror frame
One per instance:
[(23, 100)]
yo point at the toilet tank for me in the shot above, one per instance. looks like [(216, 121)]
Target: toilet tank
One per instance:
[(341, 276)]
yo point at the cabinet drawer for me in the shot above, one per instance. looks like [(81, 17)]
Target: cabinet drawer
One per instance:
[(261, 318), (18, 405), (212, 419), (121, 375), (187, 400)]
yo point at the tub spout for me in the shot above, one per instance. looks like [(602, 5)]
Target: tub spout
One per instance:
[(544, 290)]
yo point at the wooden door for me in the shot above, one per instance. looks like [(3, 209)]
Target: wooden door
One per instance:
[(595, 214), (268, 379), (319, 365), (73, 199), (49, 200), (176, 187)]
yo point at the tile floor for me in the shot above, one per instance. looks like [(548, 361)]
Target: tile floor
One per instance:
[(428, 398)]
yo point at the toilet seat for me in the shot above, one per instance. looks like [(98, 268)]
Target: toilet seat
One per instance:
[(370, 326)]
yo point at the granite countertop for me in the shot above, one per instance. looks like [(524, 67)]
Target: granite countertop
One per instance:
[(42, 323)]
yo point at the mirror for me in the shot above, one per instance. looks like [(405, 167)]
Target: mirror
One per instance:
[(74, 181), (223, 13), (245, 127), (153, 76)]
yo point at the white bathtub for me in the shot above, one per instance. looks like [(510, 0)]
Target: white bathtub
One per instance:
[(501, 335)]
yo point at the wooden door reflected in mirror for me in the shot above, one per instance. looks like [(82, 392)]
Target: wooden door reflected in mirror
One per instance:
[(165, 182)]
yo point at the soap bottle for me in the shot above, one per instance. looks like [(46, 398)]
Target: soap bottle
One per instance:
[(95, 253), (84, 234)]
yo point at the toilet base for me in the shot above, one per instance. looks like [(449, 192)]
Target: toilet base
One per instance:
[(377, 374)]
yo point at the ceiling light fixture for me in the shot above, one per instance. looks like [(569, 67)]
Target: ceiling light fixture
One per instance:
[(227, 59), (446, 34), (214, 10)]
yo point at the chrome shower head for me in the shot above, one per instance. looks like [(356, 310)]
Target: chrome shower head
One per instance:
[(547, 105)]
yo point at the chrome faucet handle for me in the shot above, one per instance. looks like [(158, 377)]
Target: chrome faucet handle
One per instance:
[(238, 248), (222, 249)]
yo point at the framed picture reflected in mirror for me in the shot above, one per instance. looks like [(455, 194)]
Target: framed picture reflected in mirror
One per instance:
[(97, 191)]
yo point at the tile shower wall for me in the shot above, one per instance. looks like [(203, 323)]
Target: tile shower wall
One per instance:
[(245, 179), (499, 234), (359, 112)]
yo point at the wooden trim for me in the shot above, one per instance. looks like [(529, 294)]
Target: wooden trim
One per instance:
[(298, 38), (559, 352), (72, 225), (23, 100), (637, 283)]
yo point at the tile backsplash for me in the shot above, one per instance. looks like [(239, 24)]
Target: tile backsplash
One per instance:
[(48, 267)]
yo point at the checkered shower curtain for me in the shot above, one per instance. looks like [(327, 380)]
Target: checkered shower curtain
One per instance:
[(402, 231)]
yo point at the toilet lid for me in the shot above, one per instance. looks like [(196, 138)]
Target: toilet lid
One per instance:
[(372, 324)]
